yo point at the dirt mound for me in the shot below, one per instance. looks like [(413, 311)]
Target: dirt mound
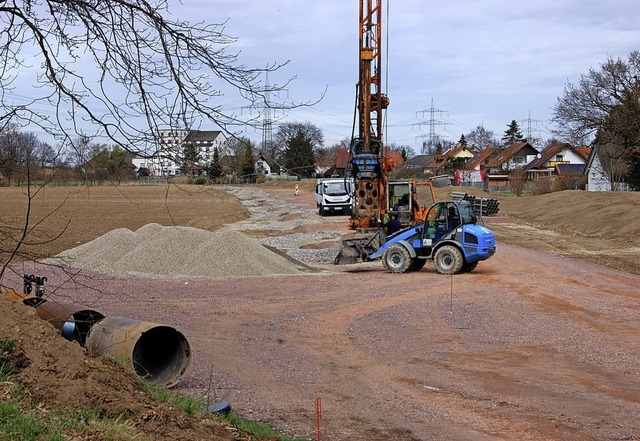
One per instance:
[(155, 250), (604, 215), (58, 375)]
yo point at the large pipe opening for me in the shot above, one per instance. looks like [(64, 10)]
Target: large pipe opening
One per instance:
[(161, 353), (158, 352)]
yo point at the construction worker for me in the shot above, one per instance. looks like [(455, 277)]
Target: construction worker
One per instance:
[(394, 225)]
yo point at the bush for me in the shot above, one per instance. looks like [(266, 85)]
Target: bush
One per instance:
[(542, 186), (200, 180), (517, 179)]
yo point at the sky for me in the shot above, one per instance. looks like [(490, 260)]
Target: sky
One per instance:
[(478, 63), (482, 62)]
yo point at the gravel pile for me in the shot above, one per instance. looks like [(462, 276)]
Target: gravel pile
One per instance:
[(155, 250), (158, 251)]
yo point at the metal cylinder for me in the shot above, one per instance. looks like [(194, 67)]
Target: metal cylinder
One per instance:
[(159, 353), (73, 321)]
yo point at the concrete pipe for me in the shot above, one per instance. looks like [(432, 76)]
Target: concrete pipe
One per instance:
[(157, 352)]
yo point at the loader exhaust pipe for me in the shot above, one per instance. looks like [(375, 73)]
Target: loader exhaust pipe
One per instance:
[(157, 352)]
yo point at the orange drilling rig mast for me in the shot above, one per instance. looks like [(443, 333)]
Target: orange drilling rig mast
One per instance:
[(369, 167)]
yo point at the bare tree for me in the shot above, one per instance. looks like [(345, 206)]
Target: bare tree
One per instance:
[(20, 153), (121, 66), (583, 109)]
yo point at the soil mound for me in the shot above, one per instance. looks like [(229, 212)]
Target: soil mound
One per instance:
[(59, 376), (155, 250)]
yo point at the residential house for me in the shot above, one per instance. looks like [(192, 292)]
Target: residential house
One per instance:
[(418, 164), (514, 157), (262, 166), (334, 166), (171, 142), (481, 159), (207, 141), (474, 170), (599, 176), (439, 160), (558, 158)]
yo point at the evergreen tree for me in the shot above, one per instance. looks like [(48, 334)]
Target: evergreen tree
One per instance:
[(248, 165), (215, 168), (300, 140), (452, 164), (463, 141), (512, 135), (298, 156), (190, 155)]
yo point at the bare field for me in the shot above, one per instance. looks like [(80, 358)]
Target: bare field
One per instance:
[(531, 345)]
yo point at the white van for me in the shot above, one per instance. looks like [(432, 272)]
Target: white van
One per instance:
[(334, 195)]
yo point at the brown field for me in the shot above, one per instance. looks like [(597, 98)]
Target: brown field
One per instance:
[(540, 342)]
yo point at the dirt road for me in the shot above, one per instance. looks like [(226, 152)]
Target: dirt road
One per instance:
[(528, 346)]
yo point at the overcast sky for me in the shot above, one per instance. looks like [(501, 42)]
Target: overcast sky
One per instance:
[(483, 62)]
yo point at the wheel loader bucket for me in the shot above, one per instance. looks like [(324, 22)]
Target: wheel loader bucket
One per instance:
[(357, 247), (348, 255)]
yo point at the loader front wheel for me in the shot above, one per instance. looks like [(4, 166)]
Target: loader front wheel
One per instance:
[(448, 260), (396, 259)]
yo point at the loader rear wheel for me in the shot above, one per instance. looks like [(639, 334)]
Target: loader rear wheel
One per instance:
[(448, 260), (396, 259)]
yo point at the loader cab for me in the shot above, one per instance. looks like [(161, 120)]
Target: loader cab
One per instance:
[(401, 200), (444, 218)]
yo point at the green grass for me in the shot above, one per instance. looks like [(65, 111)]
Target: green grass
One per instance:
[(51, 425), (7, 358), (193, 406), (257, 430)]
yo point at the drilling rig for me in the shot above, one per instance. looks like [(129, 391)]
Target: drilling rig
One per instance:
[(446, 233), (369, 166)]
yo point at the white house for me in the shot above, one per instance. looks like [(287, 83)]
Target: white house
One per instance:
[(262, 166), (597, 177), (171, 142)]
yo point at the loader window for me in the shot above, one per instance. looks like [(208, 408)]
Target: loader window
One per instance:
[(466, 214)]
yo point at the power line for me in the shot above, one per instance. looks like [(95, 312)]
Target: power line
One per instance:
[(432, 138), (531, 129)]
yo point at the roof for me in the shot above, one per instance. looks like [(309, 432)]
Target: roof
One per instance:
[(342, 157), (503, 156), (202, 135), (549, 152), (418, 161), (396, 157), (583, 151), (438, 160), (480, 159)]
